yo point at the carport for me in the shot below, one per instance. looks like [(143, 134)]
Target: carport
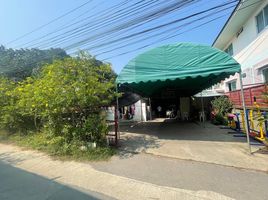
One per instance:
[(185, 67)]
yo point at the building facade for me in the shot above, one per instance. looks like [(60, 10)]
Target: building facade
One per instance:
[(245, 37)]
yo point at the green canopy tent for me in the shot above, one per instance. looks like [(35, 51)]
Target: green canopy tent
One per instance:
[(188, 68)]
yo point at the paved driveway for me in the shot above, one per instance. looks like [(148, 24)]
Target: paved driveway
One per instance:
[(191, 141)]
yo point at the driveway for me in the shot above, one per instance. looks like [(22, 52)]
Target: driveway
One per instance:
[(191, 141)]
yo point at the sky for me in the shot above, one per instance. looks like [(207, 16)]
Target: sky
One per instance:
[(18, 17)]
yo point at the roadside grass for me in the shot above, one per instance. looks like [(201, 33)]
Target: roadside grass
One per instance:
[(57, 147)]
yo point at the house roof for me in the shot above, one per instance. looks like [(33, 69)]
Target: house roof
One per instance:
[(242, 12)]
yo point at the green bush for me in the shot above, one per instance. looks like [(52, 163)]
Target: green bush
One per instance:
[(219, 120), (63, 102), (222, 105)]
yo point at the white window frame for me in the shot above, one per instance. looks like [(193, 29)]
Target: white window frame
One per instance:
[(230, 82), (262, 73), (264, 20)]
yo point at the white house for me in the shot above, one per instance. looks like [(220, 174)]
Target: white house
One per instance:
[(245, 37)]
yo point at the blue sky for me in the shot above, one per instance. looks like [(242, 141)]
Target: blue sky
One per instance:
[(18, 17)]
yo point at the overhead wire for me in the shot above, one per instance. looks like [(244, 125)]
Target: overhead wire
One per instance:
[(128, 24), (96, 20), (157, 27), (200, 25), (172, 36), (48, 23), (121, 18), (93, 17), (63, 27)]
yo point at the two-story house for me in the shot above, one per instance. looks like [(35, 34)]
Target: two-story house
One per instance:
[(245, 37)]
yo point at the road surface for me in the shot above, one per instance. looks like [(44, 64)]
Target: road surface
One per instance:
[(18, 184), (190, 175)]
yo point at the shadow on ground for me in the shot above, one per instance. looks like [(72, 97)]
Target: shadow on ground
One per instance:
[(178, 130), (138, 137), (19, 184)]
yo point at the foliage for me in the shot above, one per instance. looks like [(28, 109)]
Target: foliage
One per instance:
[(57, 146), (63, 104), (219, 120), (9, 118), (222, 105), (21, 63)]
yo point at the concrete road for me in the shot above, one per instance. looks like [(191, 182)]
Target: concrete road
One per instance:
[(30, 175), (190, 175), (18, 184)]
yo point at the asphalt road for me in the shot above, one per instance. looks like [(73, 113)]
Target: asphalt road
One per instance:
[(18, 184), (191, 175)]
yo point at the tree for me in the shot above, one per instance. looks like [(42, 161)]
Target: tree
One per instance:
[(67, 97), (21, 63)]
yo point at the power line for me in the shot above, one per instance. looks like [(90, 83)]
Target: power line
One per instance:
[(127, 24), (48, 23), (161, 33), (165, 38), (66, 26), (153, 24), (88, 28), (158, 27)]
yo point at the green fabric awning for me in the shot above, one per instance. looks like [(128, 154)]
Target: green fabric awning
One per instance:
[(188, 68)]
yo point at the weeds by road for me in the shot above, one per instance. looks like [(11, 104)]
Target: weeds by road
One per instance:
[(57, 147)]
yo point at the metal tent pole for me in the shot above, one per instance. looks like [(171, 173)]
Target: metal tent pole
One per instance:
[(150, 108), (141, 109), (244, 108), (116, 117), (203, 112)]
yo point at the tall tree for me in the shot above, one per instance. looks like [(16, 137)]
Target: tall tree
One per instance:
[(21, 63)]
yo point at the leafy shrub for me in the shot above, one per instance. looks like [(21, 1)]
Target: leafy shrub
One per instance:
[(222, 105), (64, 102), (219, 120)]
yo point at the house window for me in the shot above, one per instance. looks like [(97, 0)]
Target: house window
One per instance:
[(262, 19), (265, 12), (232, 86), (265, 75), (229, 49)]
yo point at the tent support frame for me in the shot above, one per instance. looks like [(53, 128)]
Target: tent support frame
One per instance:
[(245, 110), (203, 111), (150, 104), (116, 120)]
